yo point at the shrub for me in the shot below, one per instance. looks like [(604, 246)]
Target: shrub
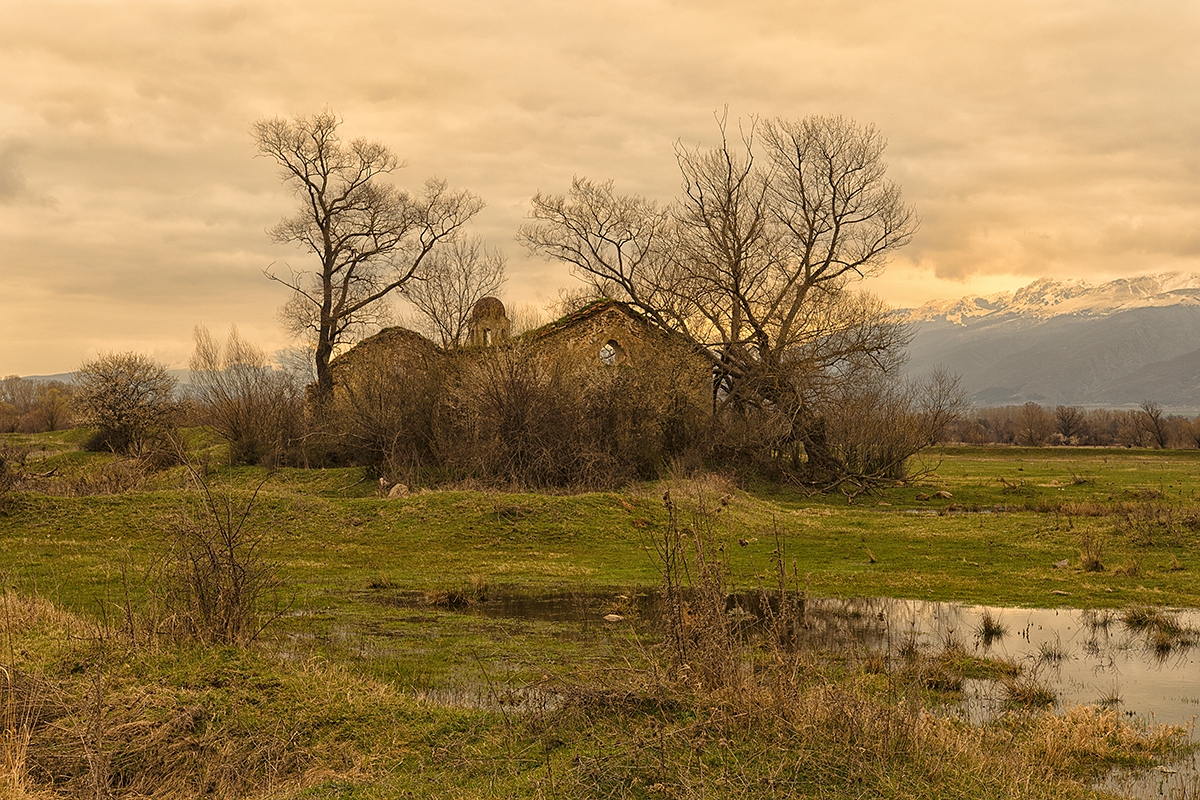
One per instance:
[(215, 585), (533, 417), (128, 398), (12, 468), (862, 430), (510, 420), (386, 400), (257, 409)]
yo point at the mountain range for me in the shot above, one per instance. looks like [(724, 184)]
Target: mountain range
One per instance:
[(1069, 342)]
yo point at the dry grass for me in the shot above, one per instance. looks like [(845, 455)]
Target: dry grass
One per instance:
[(1084, 508), (115, 475), (1052, 652), (25, 697), (841, 738), (171, 722), (1160, 628), (840, 725), (990, 629), (14, 738), (1084, 735), (1028, 691), (1130, 568), (731, 708), (1091, 548), (1155, 522), (187, 722), (1143, 618), (25, 613), (108, 720)]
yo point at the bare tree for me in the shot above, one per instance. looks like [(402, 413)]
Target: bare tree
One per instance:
[(370, 238), (734, 262), (21, 393), (877, 423), (453, 280), (940, 402), (1130, 430), (1155, 424), (254, 407), (33, 406), (752, 261), (1070, 422), (1033, 425), (54, 406), (611, 241), (10, 417)]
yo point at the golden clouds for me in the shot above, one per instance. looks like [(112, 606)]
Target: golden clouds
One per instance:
[(1035, 137)]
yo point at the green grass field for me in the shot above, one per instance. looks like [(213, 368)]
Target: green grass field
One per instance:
[(1012, 515), (379, 680)]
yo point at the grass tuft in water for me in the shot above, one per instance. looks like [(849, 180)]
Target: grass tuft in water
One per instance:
[(1028, 691), (990, 629)]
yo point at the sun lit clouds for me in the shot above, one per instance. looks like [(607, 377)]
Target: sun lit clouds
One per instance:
[(1033, 138)]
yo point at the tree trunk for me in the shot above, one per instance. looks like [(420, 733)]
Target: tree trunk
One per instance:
[(324, 393)]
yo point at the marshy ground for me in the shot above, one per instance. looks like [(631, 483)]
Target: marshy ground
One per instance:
[(454, 643)]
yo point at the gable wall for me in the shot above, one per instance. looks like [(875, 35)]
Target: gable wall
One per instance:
[(583, 339)]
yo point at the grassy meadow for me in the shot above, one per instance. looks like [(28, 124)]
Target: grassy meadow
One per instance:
[(382, 673)]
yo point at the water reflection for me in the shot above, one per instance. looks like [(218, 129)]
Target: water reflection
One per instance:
[(1140, 661), (1143, 661)]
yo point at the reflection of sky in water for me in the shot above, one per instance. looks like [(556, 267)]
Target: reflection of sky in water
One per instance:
[(1097, 655), (1100, 655)]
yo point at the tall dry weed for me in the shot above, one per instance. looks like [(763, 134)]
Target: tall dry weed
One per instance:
[(1154, 522), (1091, 548), (18, 704), (215, 584), (694, 568), (12, 471)]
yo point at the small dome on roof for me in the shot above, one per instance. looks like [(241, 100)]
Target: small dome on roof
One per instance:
[(488, 307)]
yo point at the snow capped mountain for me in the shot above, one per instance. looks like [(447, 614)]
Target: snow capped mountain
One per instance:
[(1046, 298), (1069, 342)]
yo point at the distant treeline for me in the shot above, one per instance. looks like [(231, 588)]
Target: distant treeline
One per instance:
[(33, 406), (30, 405), (1035, 425)]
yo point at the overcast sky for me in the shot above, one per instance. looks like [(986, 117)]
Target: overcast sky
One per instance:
[(1034, 139)]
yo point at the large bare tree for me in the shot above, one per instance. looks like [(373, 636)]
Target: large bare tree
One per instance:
[(752, 262), (370, 237)]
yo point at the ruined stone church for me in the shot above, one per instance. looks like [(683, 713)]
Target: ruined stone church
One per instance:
[(606, 333)]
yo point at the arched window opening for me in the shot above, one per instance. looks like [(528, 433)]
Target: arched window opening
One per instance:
[(611, 353), (487, 337)]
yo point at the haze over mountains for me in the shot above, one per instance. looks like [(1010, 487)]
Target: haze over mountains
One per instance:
[(1070, 342)]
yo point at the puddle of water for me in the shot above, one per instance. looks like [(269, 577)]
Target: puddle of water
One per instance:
[(1091, 657), (1148, 672), (1084, 656), (1175, 782)]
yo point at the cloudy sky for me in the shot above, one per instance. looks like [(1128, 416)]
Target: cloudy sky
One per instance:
[(1039, 138)]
